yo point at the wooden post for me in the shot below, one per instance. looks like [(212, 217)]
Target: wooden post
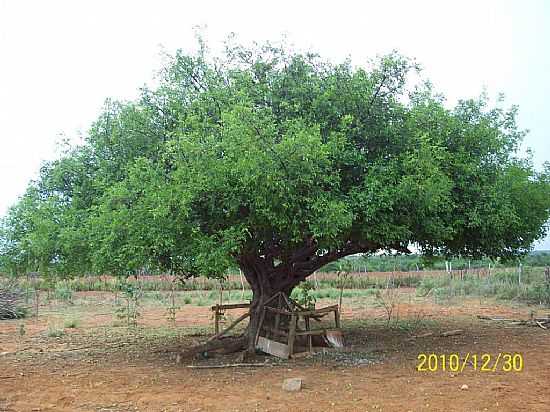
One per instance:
[(292, 334), (277, 321), (277, 315), (242, 283), (309, 337), (260, 325), (337, 318), (216, 320)]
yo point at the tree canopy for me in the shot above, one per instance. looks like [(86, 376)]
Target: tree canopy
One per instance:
[(280, 162)]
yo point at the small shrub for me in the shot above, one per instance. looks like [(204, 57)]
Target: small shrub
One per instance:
[(157, 296), (129, 310), (71, 323), (187, 300), (63, 292), (172, 308), (304, 296), (388, 299), (55, 331)]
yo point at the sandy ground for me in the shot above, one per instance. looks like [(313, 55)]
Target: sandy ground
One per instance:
[(100, 367)]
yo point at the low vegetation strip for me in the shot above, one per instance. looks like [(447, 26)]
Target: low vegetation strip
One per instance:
[(529, 285)]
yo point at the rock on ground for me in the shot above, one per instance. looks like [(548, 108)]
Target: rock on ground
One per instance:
[(292, 384)]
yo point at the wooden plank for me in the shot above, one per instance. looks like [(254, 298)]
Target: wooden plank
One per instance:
[(230, 306), (277, 321), (317, 317), (278, 315), (260, 325), (311, 332), (273, 348), (276, 332), (276, 310), (311, 313), (316, 331), (235, 322), (318, 311), (292, 334)]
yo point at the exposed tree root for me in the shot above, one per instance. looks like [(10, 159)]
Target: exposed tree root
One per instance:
[(225, 345)]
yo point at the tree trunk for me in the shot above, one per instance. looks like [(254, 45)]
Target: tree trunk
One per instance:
[(263, 288)]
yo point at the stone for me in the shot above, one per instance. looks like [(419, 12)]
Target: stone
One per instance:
[(292, 384), (464, 387)]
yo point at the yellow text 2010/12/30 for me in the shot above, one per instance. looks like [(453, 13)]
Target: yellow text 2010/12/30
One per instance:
[(483, 362)]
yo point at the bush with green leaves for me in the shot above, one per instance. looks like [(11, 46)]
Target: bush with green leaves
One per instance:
[(63, 292), (304, 296), (71, 323), (55, 331), (128, 310)]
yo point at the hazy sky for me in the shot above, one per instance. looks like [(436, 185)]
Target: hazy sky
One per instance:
[(59, 60)]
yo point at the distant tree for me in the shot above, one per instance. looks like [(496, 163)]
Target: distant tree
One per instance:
[(280, 162)]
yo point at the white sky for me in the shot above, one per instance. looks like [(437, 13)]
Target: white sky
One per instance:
[(59, 60)]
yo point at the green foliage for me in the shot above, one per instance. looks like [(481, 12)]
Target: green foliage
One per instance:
[(265, 152), (172, 309), (63, 292), (304, 296), (71, 323), (54, 331), (128, 311), (202, 301), (334, 293)]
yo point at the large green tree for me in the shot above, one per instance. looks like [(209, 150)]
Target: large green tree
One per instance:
[(279, 162)]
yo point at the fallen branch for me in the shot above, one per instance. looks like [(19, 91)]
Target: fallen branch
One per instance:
[(229, 365), (541, 322), (494, 319), (424, 335), (541, 325), (452, 333), (227, 344), (443, 334)]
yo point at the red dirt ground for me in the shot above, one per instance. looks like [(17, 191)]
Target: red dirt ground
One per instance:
[(97, 367)]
